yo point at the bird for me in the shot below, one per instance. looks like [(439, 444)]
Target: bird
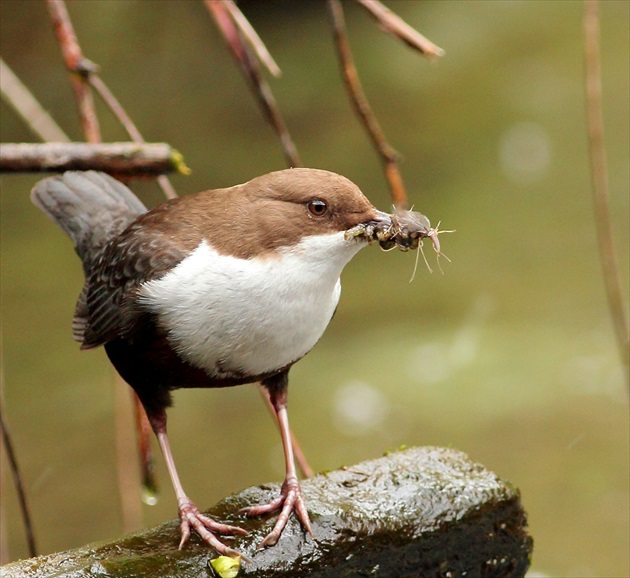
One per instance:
[(214, 289)]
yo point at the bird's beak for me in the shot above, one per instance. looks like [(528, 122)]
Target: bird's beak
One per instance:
[(380, 221), (377, 224)]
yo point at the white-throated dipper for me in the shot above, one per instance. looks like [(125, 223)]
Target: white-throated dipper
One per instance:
[(216, 289)]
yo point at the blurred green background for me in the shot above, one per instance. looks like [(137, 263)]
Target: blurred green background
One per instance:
[(508, 356)]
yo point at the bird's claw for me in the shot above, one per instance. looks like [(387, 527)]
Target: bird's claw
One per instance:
[(290, 500), (191, 518)]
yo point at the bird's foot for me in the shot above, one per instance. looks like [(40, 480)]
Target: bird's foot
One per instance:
[(191, 518), (290, 500)]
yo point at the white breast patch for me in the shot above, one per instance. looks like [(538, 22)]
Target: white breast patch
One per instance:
[(252, 316)]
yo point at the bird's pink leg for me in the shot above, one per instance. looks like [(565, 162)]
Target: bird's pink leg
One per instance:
[(290, 499), (189, 514), (300, 458)]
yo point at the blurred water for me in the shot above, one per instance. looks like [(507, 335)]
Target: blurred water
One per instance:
[(508, 356)]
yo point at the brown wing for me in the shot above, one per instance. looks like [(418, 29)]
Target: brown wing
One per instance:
[(108, 309)]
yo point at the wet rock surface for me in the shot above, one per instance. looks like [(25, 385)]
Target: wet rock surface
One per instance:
[(419, 512)]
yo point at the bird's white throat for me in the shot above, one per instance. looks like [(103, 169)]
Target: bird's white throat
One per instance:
[(250, 316)]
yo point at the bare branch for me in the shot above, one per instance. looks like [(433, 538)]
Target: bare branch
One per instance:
[(363, 109), (84, 77), (79, 66), (599, 177), (394, 24), (123, 159), (30, 111), (258, 84)]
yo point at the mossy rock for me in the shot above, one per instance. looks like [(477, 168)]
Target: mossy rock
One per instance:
[(419, 512)]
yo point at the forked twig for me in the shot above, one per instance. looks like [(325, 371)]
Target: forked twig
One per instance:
[(85, 77), (79, 66), (363, 109), (242, 50), (599, 178)]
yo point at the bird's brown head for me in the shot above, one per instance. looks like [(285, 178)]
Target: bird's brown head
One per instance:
[(275, 210), (307, 202)]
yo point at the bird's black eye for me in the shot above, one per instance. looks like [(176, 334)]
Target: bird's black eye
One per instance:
[(317, 207)]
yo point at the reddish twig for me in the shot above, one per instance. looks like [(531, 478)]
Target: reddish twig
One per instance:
[(127, 475), (145, 435), (600, 180), (363, 109), (85, 77), (241, 49), (78, 66), (395, 25)]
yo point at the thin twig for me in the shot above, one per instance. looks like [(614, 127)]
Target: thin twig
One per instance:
[(132, 130), (84, 77), (116, 108), (129, 479), (28, 108), (17, 477), (143, 429), (251, 68), (395, 25), (252, 37), (363, 109), (86, 74), (19, 486), (600, 180), (78, 66), (147, 461)]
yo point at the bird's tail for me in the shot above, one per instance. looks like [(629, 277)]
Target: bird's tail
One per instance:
[(91, 207)]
